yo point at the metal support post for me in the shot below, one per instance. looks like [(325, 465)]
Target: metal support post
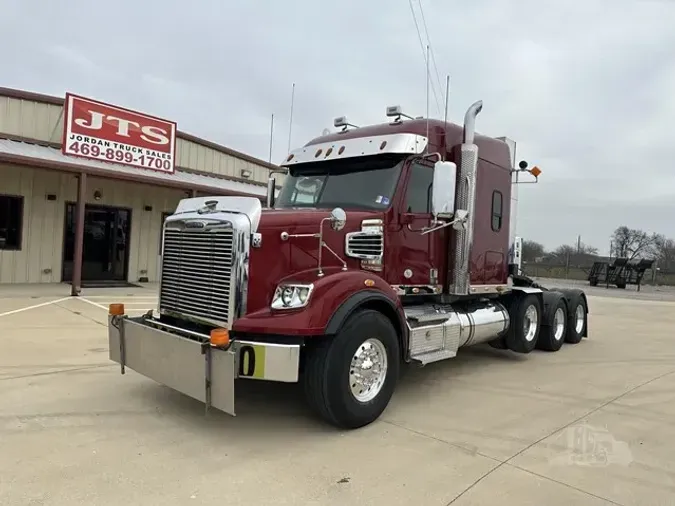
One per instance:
[(76, 282)]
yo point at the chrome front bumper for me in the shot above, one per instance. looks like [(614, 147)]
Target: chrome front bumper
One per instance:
[(185, 361)]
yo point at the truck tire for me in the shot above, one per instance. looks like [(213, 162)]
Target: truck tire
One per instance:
[(554, 322), (350, 378), (525, 315), (577, 318)]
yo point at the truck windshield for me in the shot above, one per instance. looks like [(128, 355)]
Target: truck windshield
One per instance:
[(357, 183)]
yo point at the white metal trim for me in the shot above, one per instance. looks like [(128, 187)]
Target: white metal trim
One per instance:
[(361, 146)]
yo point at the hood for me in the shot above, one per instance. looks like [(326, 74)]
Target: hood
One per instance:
[(276, 259)]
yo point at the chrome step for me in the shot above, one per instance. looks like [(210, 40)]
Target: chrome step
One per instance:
[(430, 317), (434, 333), (427, 313), (434, 356), (437, 332)]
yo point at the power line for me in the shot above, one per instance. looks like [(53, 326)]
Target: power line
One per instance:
[(424, 53), (433, 56)]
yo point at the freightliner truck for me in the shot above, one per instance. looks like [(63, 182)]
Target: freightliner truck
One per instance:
[(387, 245)]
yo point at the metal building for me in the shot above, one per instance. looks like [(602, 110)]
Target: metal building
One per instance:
[(43, 192)]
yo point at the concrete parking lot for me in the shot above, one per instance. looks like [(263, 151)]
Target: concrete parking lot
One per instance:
[(593, 424)]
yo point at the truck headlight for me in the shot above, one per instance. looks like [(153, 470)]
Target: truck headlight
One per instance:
[(291, 296)]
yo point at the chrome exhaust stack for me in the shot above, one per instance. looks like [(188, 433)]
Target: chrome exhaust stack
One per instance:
[(271, 187), (465, 200)]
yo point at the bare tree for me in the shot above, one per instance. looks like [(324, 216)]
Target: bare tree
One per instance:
[(633, 243), (665, 252), (575, 254), (575, 249), (532, 250)]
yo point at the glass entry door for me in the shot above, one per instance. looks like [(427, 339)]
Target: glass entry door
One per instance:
[(105, 255)]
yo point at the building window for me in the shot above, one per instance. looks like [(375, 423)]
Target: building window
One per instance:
[(161, 231), (497, 210), (418, 192), (11, 222)]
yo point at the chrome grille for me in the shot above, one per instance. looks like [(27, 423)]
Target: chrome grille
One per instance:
[(366, 245), (197, 274)]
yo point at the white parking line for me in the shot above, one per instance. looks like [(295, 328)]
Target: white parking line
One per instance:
[(92, 303), (7, 313)]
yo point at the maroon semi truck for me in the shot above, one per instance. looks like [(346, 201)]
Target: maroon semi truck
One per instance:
[(387, 245)]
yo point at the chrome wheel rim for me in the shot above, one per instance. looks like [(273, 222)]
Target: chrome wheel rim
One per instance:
[(559, 324), (579, 319), (530, 323), (368, 370)]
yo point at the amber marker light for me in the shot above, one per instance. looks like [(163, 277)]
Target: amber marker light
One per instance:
[(369, 282), (535, 171), (116, 309), (220, 337)]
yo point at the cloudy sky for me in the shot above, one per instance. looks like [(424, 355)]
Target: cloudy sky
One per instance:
[(586, 87)]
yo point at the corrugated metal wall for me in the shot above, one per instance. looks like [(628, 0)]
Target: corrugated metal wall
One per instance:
[(43, 122), (40, 258)]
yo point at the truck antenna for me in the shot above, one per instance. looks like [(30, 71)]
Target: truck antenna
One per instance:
[(427, 65), (271, 136), (290, 121), (447, 96), (447, 100)]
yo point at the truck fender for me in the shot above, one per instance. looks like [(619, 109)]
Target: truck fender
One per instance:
[(331, 291), (371, 299)]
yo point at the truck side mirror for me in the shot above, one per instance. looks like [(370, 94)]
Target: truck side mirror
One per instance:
[(443, 190), (338, 219)]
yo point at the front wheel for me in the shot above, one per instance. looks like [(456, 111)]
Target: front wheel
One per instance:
[(349, 379)]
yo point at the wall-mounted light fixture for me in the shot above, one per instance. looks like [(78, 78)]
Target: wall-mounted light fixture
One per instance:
[(245, 173), (98, 195)]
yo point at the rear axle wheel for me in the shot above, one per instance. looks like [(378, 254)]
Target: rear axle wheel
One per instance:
[(525, 315), (576, 320), (554, 323)]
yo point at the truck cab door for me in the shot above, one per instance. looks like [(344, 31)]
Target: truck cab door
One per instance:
[(415, 262)]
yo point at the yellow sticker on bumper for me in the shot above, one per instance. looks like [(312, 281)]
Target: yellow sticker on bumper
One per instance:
[(252, 361)]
